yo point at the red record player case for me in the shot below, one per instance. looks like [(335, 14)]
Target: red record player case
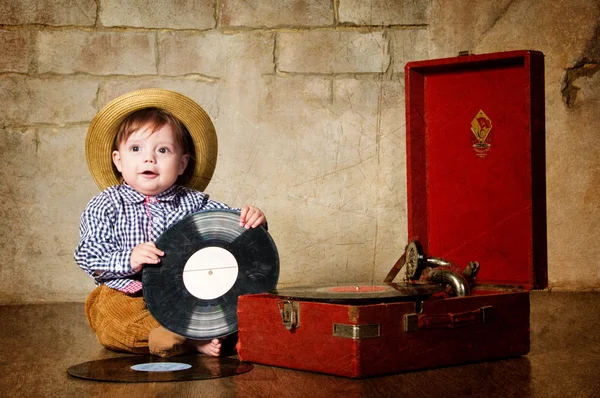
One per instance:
[(476, 191)]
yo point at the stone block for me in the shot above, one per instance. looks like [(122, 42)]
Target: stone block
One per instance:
[(373, 112), (459, 25), (573, 186), (391, 210), (384, 12), (235, 64), (406, 46), (270, 14), (563, 31), (216, 55), (324, 138), (47, 100), (162, 14), (392, 237), (48, 12), (299, 109), (250, 140), (332, 51), (99, 53), (327, 246), (356, 104), (15, 46), (46, 185), (204, 93)]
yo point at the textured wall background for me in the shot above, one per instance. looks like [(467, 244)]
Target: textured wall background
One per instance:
[(308, 100)]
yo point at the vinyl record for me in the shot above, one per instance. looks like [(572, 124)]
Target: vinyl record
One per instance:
[(209, 262), (148, 368), (360, 293)]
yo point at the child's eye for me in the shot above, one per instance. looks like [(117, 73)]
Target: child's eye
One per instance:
[(163, 150), (135, 148)]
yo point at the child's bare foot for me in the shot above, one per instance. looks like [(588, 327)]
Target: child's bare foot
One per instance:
[(208, 347)]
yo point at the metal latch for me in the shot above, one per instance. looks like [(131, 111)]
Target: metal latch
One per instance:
[(290, 314)]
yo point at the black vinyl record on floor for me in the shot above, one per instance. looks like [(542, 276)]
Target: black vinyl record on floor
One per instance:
[(209, 261), (147, 368)]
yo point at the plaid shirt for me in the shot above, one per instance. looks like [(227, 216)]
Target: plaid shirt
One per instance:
[(119, 219)]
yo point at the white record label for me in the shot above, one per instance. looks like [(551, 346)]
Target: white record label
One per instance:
[(161, 366), (210, 272)]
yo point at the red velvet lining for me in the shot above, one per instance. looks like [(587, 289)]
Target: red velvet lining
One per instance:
[(464, 207)]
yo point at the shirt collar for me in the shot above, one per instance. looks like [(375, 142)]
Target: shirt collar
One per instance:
[(133, 196)]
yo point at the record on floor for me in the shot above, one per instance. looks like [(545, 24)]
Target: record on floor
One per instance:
[(209, 261), (148, 368)]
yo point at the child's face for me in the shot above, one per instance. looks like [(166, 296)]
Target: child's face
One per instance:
[(150, 162)]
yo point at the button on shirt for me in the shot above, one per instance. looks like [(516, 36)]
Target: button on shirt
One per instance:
[(119, 219)]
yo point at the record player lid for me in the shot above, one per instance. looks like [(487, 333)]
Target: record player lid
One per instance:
[(476, 163)]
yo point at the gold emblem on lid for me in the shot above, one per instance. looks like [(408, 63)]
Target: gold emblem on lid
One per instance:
[(481, 126)]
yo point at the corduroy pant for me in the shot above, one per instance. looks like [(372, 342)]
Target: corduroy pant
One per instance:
[(123, 323)]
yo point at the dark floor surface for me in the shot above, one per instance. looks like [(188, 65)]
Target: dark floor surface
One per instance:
[(39, 342)]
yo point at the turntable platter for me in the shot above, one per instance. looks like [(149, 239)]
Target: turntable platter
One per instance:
[(360, 293)]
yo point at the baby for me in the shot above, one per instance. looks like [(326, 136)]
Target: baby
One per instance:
[(155, 157)]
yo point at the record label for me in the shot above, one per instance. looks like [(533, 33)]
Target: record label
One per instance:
[(210, 273), (209, 261), (161, 366)]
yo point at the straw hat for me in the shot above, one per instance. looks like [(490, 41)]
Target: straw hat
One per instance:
[(103, 130)]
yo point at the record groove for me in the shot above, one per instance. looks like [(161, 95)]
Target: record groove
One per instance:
[(222, 245)]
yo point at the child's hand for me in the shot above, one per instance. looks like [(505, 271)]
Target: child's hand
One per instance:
[(145, 253), (252, 217)]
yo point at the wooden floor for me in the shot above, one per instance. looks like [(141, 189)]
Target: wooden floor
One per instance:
[(39, 342)]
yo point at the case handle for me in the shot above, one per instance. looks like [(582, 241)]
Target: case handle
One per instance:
[(414, 322)]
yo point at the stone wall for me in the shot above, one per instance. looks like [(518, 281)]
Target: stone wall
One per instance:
[(308, 100)]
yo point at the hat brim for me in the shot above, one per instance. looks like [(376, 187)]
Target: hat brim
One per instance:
[(103, 130)]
